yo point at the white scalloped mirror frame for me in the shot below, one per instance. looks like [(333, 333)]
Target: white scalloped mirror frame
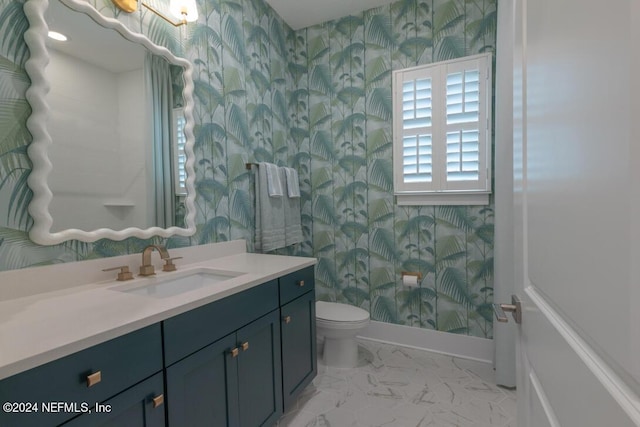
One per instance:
[(36, 95)]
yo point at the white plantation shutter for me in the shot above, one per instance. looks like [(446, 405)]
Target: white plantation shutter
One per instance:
[(467, 102), (441, 132), (180, 158), (417, 123)]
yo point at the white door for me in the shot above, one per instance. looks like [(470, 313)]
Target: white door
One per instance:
[(577, 211)]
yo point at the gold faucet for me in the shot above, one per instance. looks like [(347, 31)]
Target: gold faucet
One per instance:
[(146, 269)]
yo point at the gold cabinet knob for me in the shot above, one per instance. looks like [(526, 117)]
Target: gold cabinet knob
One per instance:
[(287, 319), (94, 379), (301, 283), (245, 346), (234, 352), (158, 400)]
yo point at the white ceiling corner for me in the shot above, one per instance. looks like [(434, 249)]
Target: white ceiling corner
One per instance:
[(305, 13)]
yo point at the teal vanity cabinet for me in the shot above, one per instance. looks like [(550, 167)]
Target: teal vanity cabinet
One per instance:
[(141, 405), (203, 388), (71, 386), (259, 372), (224, 362), (239, 361), (221, 373), (298, 326)]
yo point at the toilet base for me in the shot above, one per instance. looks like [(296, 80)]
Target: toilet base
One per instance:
[(340, 352)]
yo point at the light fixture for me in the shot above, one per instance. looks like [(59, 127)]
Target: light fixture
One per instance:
[(126, 5), (184, 10), (57, 36)]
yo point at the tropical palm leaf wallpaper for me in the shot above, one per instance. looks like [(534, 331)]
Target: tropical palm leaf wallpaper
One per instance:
[(341, 112), (318, 99)]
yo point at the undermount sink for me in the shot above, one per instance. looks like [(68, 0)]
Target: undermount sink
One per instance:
[(162, 288)]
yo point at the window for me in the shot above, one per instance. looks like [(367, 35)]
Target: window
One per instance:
[(441, 132), (179, 156)]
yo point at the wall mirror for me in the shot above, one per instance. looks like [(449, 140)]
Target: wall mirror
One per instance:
[(112, 129)]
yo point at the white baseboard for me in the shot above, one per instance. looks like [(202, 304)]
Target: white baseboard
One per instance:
[(464, 346)]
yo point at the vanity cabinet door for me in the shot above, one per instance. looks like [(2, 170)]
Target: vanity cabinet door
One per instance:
[(140, 406), (299, 359), (259, 372), (202, 389), (236, 381)]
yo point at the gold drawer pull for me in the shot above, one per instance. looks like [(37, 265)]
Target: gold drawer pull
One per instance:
[(94, 379), (235, 352), (245, 346), (287, 319), (158, 400), (301, 283)]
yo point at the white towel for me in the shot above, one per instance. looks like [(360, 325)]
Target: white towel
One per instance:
[(293, 185), (270, 225), (292, 219), (274, 184)]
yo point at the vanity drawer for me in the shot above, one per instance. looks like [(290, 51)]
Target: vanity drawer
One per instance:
[(88, 376), (187, 333), (296, 284)]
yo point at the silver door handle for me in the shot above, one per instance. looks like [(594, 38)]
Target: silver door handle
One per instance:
[(515, 308)]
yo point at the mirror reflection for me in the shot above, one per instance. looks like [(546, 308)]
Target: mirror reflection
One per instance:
[(116, 125)]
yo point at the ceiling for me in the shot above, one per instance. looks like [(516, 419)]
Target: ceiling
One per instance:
[(304, 13), (97, 46), (92, 43)]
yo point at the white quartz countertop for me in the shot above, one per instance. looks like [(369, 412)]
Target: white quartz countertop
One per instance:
[(36, 329)]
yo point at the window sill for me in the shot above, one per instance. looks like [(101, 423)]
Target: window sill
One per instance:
[(119, 203), (437, 199)]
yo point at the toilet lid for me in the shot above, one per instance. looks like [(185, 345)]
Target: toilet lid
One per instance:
[(337, 312)]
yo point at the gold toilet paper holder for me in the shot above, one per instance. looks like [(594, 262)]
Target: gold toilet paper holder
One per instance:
[(411, 273)]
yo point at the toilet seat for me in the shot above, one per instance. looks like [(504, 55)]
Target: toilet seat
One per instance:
[(333, 313), (321, 323)]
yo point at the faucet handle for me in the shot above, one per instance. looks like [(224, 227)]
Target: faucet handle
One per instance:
[(124, 273), (169, 265)]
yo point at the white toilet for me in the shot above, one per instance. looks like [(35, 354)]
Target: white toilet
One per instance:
[(339, 324)]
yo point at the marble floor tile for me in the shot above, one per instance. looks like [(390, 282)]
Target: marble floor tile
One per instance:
[(353, 399), (485, 390), (509, 404), (481, 370), (298, 418), (394, 386)]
